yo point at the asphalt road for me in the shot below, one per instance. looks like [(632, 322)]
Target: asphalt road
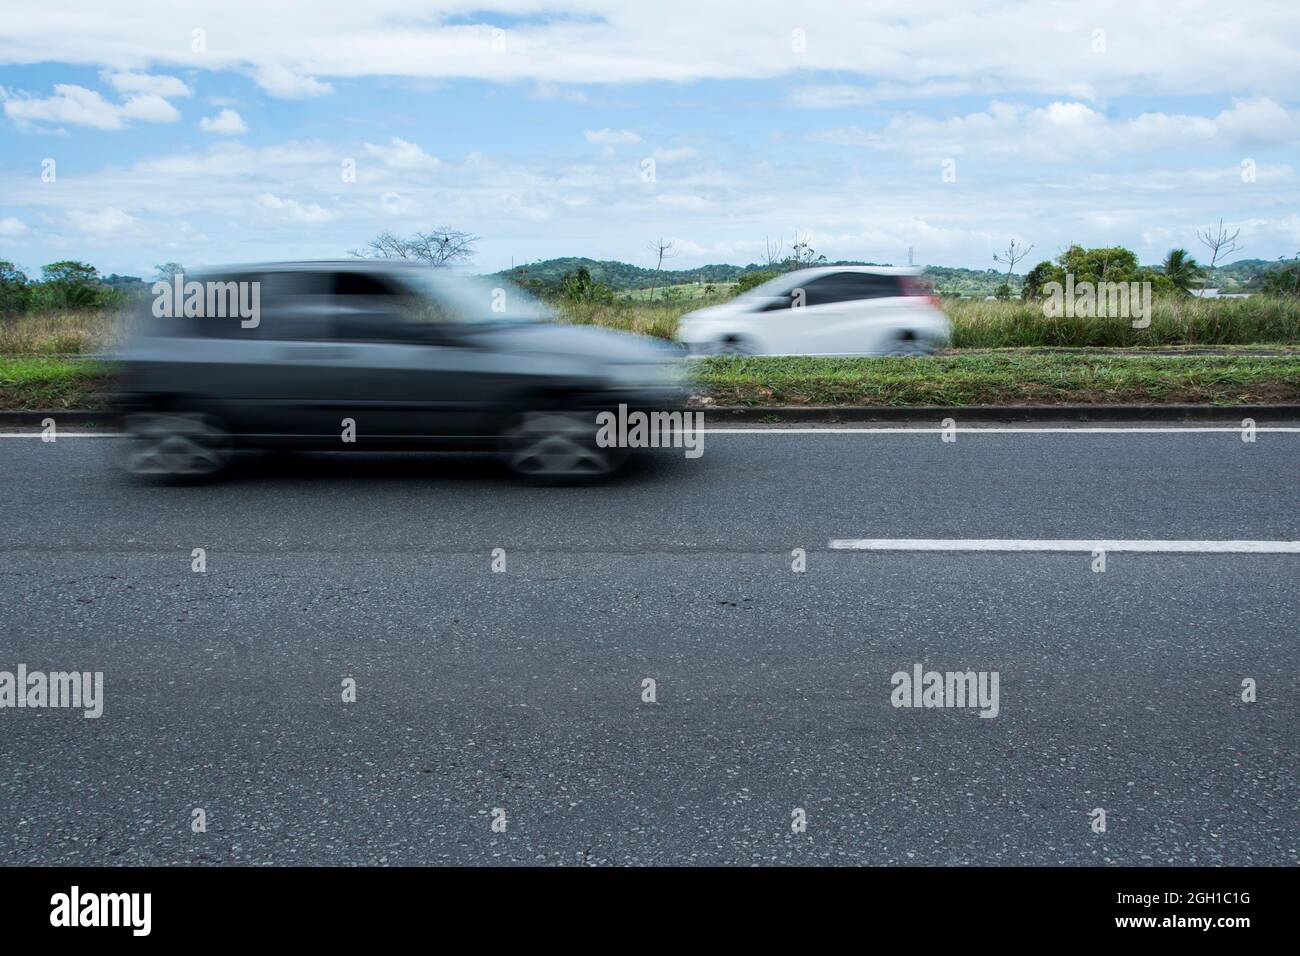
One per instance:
[(522, 690)]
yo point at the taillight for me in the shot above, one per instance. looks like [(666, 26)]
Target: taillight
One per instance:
[(918, 285)]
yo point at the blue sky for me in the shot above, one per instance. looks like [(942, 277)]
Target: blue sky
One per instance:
[(212, 132)]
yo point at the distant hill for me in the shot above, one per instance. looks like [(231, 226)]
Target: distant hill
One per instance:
[(546, 275), (1244, 275), (623, 277)]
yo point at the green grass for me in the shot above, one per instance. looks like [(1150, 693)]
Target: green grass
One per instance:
[(1001, 379), (985, 325), (976, 325), (1178, 320), (40, 383), (1010, 378)]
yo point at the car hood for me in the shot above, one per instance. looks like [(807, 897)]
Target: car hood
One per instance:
[(601, 345), (711, 312)]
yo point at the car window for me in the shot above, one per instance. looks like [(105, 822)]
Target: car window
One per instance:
[(289, 305), (849, 287), (375, 307)]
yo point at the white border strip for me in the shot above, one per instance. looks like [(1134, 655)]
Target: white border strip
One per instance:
[(1047, 544), (1009, 430), (901, 430)]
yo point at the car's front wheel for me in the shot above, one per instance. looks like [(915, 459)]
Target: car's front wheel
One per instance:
[(175, 445), (558, 446), (909, 343)]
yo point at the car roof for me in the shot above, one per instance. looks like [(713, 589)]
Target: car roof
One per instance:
[(357, 264), (816, 271)]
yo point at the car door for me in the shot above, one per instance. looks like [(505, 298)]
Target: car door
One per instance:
[(412, 375), (847, 312), (277, 372), (821, 312)]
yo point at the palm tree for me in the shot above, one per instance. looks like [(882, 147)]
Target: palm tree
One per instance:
[(1181, 269)]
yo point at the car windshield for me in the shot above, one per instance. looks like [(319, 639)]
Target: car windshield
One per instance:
[(472, 300), (771, 288)]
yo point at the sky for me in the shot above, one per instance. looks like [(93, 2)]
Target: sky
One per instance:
[(135, 133)]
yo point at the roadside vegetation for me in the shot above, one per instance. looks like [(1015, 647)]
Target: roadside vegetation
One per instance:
[(1008, 378), (52, 327), (1002, 379)]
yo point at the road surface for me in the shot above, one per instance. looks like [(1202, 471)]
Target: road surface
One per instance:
[(522, 691)]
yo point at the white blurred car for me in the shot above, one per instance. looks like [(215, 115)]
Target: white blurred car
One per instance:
[(832, 310)]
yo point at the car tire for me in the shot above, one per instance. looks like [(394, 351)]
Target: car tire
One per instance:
[(735, 345), (175, 445), (558, 447), (909, 343)]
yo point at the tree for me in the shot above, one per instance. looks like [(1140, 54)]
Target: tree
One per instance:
[(439, 247), (751, 279), (70, 284), (1285, 278), (166, 270), (663, 250), (1181, 269), (802, 255), (1219, 241), (1039, 276), (772, 252), (1009, 258), (581, 287), (1103, 264), (15, 293)]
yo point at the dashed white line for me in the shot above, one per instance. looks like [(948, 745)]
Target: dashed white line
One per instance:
[(1053, 544)]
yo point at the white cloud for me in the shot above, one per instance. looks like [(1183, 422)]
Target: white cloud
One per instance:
[(893, 46), (399, 154), (101, 222), (554, 91), (157, 84), (839, 96), (9, 226), (285, 84), (674, 154), (1071, 131), (612, 137), (149, 108), (79, 106), (295, 210), (227, 122)]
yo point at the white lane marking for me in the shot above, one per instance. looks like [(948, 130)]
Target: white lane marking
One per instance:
[(1049, 544), (902, 430), (62, 435), (1012, 430)]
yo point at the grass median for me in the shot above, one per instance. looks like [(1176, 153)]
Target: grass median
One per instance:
[(1002, 378), (1009, 378)]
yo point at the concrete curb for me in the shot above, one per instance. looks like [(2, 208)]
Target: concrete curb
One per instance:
[(934, 414)]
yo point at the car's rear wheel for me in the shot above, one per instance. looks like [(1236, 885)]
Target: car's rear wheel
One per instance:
[(175, 445), (735, 345), (909, 343), (558, 446)]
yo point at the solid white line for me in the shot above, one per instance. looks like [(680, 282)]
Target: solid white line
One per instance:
[(926, 430), (1030, 544), (967, 430)]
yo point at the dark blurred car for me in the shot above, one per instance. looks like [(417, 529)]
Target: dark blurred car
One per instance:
[(409, 356)]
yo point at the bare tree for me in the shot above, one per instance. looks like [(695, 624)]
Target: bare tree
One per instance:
[(1219, 241), (661, 250), (772, 251), (803, 255), (1011, 256), (438, 247)]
